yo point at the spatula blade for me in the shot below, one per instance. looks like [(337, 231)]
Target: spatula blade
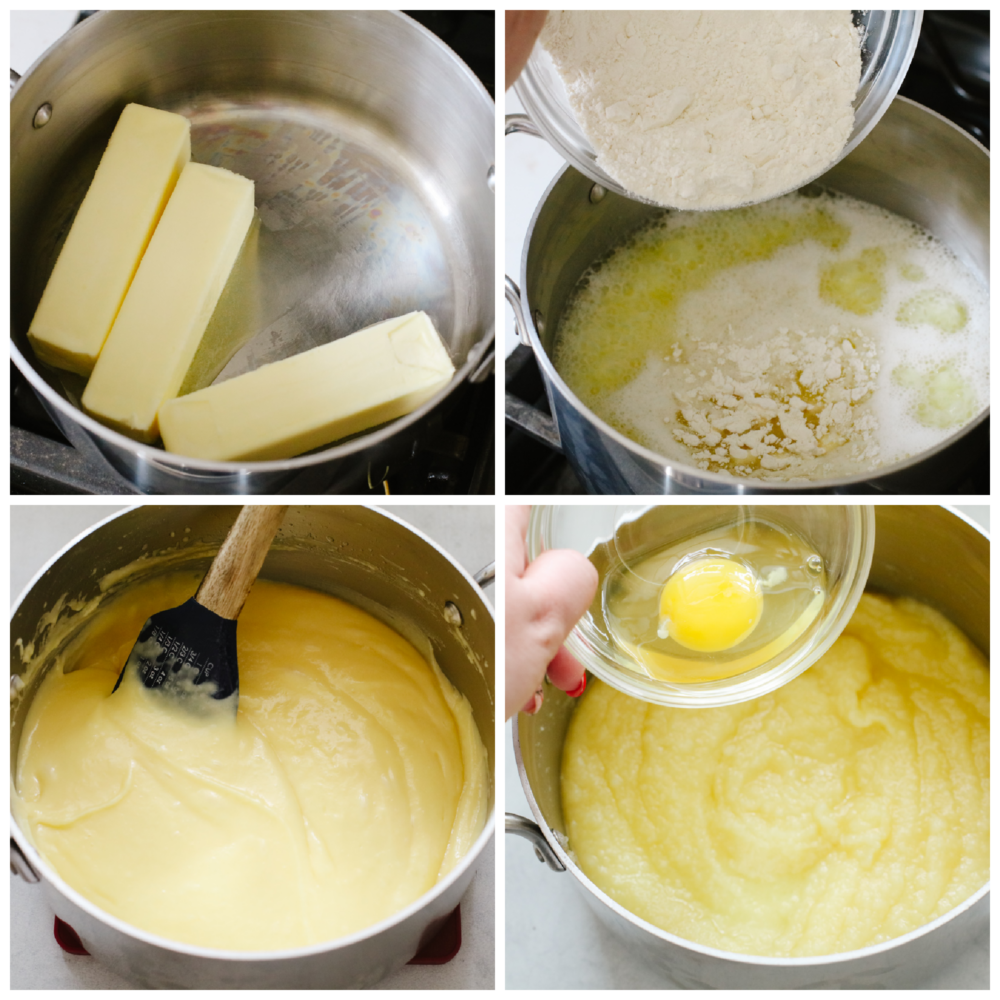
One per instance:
[(187, 651)]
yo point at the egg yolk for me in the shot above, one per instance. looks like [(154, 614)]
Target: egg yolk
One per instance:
[(710, 604)]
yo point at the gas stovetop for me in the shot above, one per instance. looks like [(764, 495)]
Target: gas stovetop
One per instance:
[(950, 74), (454, 454)]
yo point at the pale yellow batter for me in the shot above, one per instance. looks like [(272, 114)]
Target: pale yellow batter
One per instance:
[(848, 807), (352, 779)]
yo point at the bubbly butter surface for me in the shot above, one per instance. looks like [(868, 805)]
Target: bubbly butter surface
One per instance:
[(351, 780), (799, 339), (847, 808)]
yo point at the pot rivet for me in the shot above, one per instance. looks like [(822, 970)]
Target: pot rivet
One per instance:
[(539, 321), (539, 855), (491, 178), (451, 613), (42, 115), (597, 192)]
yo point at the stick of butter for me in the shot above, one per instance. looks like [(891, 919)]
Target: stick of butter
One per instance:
[(283, 409), (171, 300), (146, 154)]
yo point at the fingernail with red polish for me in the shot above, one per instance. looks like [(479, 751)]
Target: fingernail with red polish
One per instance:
[(534, 705), (577, 691)]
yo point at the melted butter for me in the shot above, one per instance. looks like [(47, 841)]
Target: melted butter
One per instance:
[(912, 272), (760, 342), (351, 780), (935, 307), (857, 284), (848, 807), (942, 395), (635, 311)]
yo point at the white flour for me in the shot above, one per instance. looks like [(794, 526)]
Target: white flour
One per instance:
[(753, 406), (709, 109)]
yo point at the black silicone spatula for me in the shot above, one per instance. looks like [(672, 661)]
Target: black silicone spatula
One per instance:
[(191, 650)]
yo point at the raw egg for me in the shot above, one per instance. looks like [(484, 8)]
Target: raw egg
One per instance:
[(710, 604)]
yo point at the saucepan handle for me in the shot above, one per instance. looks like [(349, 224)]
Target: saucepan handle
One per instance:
[(43, 114), (19, 864), (483, 369), (513, 296), (522, 827), (486, 575), (485, 366), (533, 422), (517, 412)]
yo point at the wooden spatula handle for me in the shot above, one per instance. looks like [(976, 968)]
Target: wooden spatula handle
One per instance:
[(237, 563)]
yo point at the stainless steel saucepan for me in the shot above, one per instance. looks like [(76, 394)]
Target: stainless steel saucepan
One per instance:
[(914, 163), (371, 146), (927, 552), (347, 551)]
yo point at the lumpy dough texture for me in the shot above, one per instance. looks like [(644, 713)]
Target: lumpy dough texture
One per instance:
[(847, 808), (350, 781)]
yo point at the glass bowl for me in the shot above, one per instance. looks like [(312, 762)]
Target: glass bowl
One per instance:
[(843, 534), (889, 39)]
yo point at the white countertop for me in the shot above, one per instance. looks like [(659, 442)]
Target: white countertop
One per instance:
[(553, 940), (37, 962)]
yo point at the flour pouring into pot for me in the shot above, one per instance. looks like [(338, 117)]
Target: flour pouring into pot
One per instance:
[(789, 337)]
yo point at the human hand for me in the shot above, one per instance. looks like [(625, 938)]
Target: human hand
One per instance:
[(543, 601), (521, 28)]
